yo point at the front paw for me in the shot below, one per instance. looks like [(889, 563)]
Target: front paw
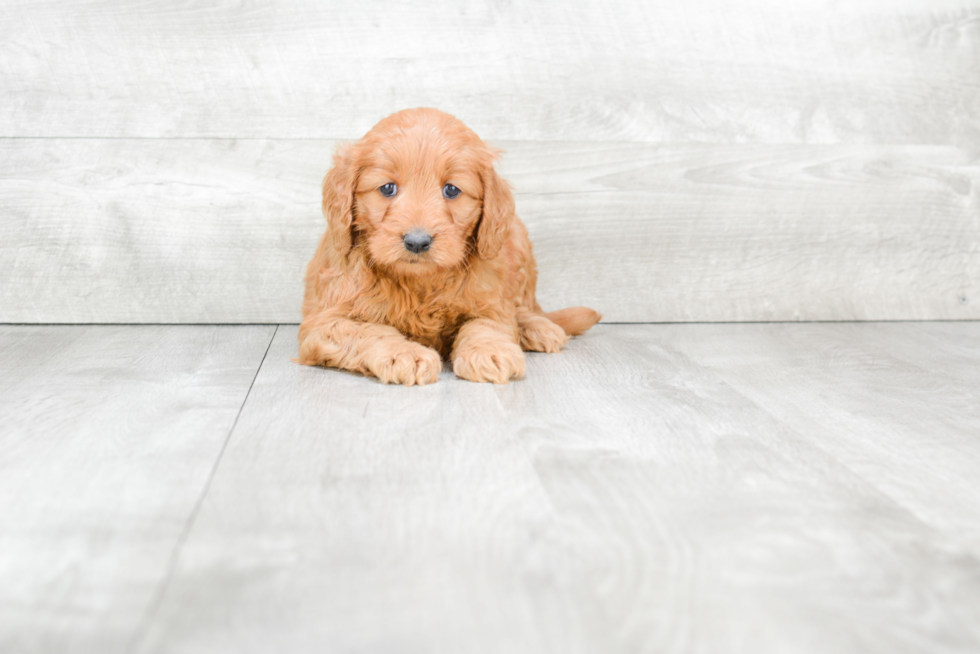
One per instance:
[(405, 363), (495, 362), (541, 335)]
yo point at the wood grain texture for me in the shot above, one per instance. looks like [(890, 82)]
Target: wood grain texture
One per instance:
[(625, 497), (818, 71), (157, 231), (97, 230), (899, 405), (107, 442)]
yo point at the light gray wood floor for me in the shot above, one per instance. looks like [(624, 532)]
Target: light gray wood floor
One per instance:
[(654, 488)]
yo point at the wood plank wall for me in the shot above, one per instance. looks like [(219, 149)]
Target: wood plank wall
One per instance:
[(713, 160)]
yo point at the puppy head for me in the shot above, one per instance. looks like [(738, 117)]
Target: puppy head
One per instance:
[(419, 192)]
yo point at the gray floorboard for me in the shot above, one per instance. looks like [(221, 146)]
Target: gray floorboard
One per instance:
[(709, 71), (655, 488), (897, 403), (220, 231), (108, 437)]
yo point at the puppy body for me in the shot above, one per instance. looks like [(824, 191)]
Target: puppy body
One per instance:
[(375, 305)]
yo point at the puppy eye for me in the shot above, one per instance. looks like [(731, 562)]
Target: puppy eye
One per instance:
[(388, 190), (450, 191)]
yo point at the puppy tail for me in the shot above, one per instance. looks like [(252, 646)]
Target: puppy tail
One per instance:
[(574, 320)]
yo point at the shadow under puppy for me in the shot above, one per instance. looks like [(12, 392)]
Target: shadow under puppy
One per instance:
[(424, 257)]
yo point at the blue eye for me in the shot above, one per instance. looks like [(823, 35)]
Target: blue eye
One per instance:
[(450, 191), (388, 190)]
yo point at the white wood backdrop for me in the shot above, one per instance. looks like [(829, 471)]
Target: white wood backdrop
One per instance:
[(708, 160)]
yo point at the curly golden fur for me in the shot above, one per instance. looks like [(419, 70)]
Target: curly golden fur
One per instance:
[(375, 305)]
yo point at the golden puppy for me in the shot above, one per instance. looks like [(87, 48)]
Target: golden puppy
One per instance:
[(423, 257)]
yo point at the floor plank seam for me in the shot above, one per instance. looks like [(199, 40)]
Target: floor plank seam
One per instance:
[(157, 600)]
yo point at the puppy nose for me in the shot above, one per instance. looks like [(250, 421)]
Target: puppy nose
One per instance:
[(417, 241)]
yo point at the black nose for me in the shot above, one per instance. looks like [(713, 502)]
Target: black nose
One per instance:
[(417, 241)]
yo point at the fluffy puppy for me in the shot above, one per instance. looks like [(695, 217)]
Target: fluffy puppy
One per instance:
[(424, 258)]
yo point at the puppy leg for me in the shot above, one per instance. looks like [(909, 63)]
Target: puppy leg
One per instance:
[(371, 349), (487, 351), (538, 334)]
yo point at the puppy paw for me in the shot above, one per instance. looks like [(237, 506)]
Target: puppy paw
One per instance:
[(541, 335), (406, 363), (497, 363)]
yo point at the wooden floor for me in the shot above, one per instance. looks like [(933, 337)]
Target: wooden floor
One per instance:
[(655, 488)]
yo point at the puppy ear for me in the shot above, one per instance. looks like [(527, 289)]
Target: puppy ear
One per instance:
[(338, 199), (498, 212)]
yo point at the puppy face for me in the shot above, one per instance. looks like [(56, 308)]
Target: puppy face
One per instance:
[(419, 193), (418, 198)]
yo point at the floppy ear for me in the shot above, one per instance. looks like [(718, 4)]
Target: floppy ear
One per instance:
[(498, 212), (338, 199)]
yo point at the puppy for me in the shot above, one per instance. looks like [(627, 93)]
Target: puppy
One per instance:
[(424, 258)]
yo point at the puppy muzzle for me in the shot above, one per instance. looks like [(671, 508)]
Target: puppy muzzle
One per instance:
[(417, 241)]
